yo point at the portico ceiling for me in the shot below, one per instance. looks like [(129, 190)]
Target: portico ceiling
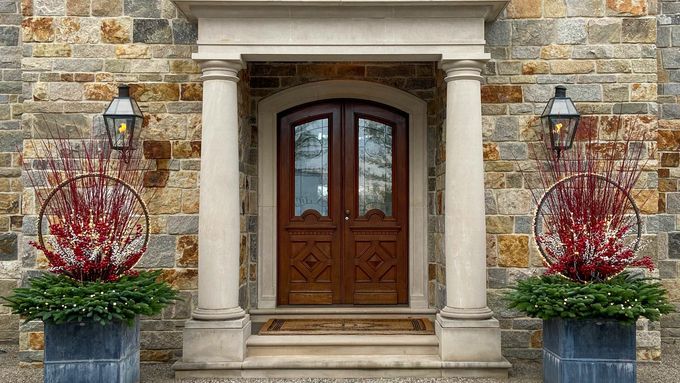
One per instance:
[(291, 30)]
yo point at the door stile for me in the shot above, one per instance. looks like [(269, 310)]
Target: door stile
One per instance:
[(348, 200)]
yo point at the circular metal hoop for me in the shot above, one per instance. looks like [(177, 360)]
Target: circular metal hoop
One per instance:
[(93, 175), (582, 175)]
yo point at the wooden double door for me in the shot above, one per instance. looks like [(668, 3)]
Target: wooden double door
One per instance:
[(342, 226)]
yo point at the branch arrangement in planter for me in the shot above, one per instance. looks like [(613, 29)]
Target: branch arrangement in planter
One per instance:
[(97, 229), (587, 227)]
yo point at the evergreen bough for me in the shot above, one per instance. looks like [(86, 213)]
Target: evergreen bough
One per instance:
[(59, 299), (625, 297)]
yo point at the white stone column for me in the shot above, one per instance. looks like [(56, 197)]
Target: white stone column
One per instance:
[(219, 327), (465, 227), (465, 326)]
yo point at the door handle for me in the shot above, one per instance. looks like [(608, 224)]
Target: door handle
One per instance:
[(347, 213)]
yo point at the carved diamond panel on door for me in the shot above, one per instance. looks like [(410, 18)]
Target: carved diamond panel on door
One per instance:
[(378, 268), (342, 204), (311, 261), (375, 261), (311, 266)]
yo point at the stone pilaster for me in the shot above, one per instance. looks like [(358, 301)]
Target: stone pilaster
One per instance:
[(219, 327), (466, 319)]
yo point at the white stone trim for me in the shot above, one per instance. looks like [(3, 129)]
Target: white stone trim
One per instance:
[(197, 9), (266, 123), (341, 30)]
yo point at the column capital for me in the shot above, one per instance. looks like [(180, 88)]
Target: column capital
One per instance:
[(462, 69), (221, 69)]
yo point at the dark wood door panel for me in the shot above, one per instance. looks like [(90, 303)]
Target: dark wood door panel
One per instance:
[(379, 262), (376, 191)]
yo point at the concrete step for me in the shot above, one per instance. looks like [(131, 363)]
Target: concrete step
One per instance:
[(334, 345)]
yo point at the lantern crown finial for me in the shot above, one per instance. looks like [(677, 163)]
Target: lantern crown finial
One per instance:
[(560, 91), (123, 90)]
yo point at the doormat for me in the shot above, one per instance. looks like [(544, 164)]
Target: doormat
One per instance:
[(339, 326)]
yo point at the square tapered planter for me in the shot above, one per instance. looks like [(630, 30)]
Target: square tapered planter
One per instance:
[(588, 351), (89, 352)]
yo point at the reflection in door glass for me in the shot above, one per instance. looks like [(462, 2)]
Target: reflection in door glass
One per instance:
[(375, 166), (311, 167)]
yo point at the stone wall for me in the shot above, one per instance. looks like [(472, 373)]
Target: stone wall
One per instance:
[(10, 139), (668, 142), (62, 59), (75, 53), (604, 51)]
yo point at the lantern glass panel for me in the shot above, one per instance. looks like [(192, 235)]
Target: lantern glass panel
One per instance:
[(123, 106), (136, 133), (562, 130), (563, 107), (120, 130)]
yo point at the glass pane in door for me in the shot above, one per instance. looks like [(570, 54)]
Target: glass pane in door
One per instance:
[(311, 167), (375, 166)]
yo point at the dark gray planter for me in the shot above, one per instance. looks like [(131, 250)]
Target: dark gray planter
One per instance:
[(588, 351), (89, 352)]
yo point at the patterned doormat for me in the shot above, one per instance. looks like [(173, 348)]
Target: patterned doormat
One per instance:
[(333, 326)]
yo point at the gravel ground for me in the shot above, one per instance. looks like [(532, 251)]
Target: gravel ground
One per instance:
[(668, 371)]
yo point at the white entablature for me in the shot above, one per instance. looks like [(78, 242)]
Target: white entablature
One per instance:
[(331, 30)]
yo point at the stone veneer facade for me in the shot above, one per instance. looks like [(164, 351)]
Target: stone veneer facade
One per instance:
[(63, 59)]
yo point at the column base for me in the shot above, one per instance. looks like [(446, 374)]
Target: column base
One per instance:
[(464, 340), (219, 314), (215, 341), (458, 313)]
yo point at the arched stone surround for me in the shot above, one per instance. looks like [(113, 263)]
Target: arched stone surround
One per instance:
[(267, 111)]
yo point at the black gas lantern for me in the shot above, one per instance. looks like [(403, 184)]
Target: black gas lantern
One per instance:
[(123, 120), (560, 120)]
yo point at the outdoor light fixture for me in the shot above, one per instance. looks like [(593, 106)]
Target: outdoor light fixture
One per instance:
[(560, 120), (123, 120)]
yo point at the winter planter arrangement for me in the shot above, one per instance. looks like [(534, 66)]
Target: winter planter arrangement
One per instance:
[(97, 229), (587, 228)]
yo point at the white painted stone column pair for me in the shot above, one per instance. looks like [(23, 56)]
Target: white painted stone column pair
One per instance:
[(465, 327), (219, 326)]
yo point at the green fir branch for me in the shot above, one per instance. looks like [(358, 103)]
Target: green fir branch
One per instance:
[(59, 299), (625, 298)]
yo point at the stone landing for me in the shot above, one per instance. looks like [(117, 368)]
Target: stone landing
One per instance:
[(346, 356)]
